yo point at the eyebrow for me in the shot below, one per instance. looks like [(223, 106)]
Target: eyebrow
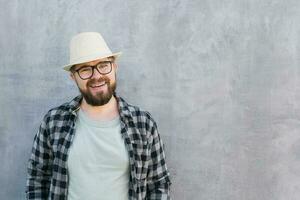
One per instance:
[(92, 65)]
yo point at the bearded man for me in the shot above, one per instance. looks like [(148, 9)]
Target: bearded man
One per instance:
[(97, 146)]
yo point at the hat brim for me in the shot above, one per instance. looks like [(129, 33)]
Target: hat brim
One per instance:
[(91, 58)]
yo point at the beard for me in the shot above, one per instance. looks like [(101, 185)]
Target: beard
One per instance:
[(100, 98)]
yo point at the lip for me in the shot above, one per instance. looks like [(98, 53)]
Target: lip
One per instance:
[(97, 86)]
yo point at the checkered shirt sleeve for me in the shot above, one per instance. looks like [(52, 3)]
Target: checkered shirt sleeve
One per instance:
[(39, 169), (158, 181)]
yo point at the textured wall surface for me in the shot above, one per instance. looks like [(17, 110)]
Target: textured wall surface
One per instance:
[(221, 78)]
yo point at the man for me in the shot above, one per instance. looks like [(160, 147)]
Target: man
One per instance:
[(97, 146)]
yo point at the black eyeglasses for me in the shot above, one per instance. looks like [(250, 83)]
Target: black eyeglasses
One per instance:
[(87, 72)]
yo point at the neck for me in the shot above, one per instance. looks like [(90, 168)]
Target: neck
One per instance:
[(106, 112)]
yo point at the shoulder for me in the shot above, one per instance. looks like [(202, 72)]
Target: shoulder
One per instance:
[(57, 112), (62, 112), (141, 117)]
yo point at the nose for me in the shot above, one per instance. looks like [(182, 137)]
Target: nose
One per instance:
[(96, 74)]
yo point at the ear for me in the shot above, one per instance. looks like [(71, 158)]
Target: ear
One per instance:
[(116, 66), (72, 77)]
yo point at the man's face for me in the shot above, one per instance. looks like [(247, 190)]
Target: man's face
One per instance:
[(98, 89)]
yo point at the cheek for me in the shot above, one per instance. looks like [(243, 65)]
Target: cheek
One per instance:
[(112, 76), (81, 84)]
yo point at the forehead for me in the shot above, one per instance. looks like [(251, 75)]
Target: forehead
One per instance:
[(91, 63)]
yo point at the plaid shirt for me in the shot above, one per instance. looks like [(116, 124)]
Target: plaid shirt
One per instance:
[(47, 176)]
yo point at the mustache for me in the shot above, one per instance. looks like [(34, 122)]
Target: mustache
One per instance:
[(94, 81)]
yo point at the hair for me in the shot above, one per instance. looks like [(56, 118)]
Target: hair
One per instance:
[(111, 58)]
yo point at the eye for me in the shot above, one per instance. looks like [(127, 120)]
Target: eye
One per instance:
[(85, 69), (103, 65)]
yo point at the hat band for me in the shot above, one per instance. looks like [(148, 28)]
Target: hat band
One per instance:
[(89, 58)]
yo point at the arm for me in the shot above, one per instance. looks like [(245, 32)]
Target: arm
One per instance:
[(158, 180), (39, 166)]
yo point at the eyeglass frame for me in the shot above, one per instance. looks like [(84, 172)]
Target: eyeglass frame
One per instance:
[(93, 69)]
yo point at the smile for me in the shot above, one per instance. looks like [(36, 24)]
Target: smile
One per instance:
[(98, 85)]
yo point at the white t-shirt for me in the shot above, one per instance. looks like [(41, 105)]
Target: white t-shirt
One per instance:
[(98, 162)]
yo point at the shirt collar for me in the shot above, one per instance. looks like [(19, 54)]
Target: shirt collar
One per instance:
[(124, 111)]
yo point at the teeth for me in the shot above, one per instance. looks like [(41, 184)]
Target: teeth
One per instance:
[(98, 85)]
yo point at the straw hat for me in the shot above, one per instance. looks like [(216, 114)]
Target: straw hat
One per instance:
[(86, 47)]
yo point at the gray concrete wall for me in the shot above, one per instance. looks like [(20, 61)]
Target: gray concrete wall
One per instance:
[(221, 77)]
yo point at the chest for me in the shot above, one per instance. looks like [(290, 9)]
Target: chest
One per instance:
[(98, 147), (135, 141)]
